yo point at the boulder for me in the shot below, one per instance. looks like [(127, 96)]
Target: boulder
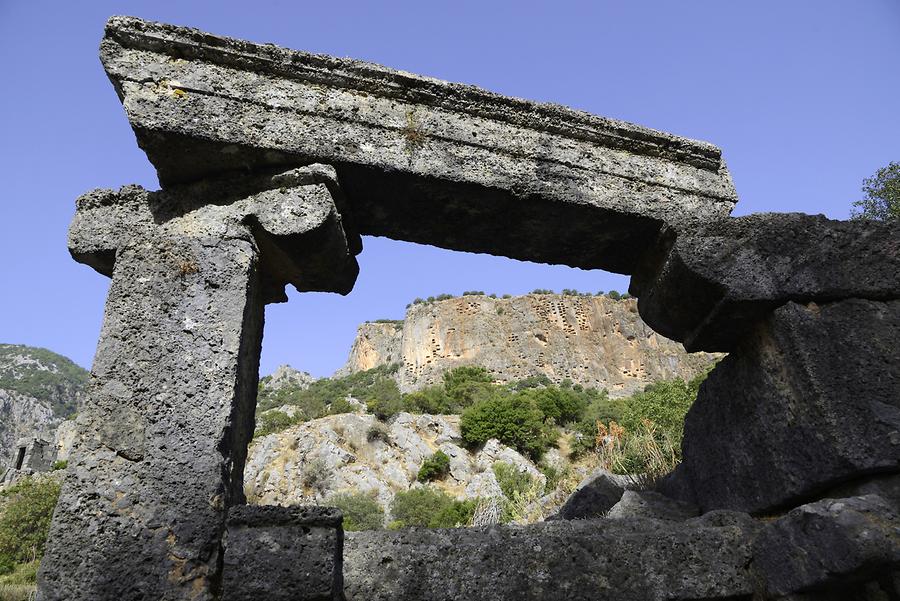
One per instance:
[(810, 400), (595, 496), (708, 288), (649, 504), (829, 544)]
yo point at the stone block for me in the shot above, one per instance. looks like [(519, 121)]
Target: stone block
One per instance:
[(421, 160), (810, 400), (283, 554), (596, 560), (707, 288)]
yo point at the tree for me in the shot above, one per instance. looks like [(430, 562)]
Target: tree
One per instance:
[(882, 196)]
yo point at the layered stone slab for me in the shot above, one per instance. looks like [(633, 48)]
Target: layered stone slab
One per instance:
[(810, 400), (707, 288), (163, 436), (421, 160), (283, 553)]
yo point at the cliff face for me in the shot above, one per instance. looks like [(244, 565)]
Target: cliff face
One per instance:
[(38, 391), (592, 340)]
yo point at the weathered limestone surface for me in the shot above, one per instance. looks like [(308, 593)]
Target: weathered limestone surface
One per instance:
[(594, 341), (283, 553), (707, 288), (828, 545), (808, 401), (422, 160), (164, 434), (629, 559)]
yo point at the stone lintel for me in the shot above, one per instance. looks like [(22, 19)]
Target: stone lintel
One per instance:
[(420, 159)]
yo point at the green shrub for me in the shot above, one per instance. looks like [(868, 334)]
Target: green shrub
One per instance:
[(25, 519), (435, 467), (21, 574), (429, 508), (275, 421), (60, 465), (431, 399), (464, 385), (562, 405), (361, 511), (511, 479), (554, 476), (512, 420)]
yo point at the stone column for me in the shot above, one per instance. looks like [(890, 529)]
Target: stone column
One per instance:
[(164, 435)]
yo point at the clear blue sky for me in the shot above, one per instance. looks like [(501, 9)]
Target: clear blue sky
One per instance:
[(801, 95)]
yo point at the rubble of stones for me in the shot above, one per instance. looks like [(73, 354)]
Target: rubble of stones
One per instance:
[(791, 452)]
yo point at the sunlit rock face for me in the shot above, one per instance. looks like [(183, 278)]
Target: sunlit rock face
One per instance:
[(594, 341)]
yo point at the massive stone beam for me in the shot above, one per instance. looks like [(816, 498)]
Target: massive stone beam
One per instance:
[(164, 435), (420, 159)]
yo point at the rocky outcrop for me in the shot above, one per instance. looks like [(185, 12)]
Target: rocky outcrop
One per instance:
[(594, 341), (355, 452), (287, 376), (39, 389)]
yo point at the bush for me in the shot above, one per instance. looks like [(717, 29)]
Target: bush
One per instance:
[(512, 420), (429, 508), (275, 421), (361, 511), (435, 467), (511, 479), (25, 520), (431, 399), (464, 385), (562, 405), (60, 464)]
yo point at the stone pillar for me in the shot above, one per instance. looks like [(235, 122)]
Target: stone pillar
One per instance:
[(164, 435)]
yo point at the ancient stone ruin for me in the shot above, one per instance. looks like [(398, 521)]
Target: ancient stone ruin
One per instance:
[(273, 163)]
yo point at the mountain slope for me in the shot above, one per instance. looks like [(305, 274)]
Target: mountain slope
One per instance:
[(38, 390)]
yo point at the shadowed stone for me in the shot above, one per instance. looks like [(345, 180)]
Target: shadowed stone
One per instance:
[(421, 159), (707, 288), (828, 545), (164, 434), (283, 553), (622, 560), (594, 496), (650, 504), (808, 401)]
